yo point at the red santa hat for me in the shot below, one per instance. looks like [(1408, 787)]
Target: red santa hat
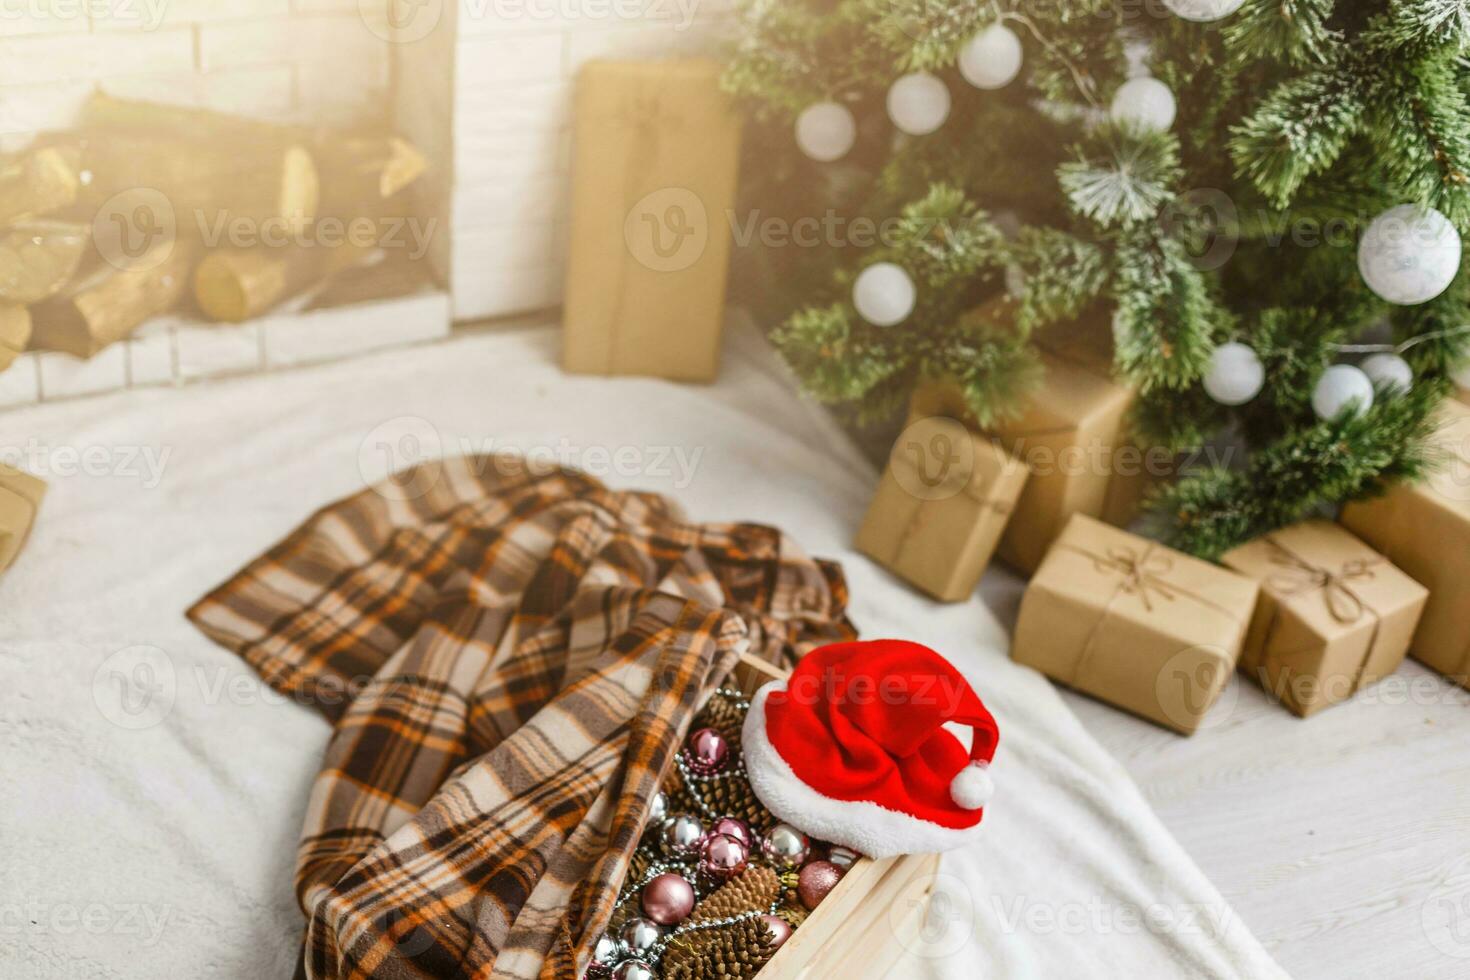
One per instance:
[(852, 749)]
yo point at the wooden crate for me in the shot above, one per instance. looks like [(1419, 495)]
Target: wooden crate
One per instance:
[(855, 932)]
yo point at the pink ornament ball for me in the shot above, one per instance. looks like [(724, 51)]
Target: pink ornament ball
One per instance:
[(815, 882), (780, 929), (668, 899), (723, 856), (707, 752), (732, 827)]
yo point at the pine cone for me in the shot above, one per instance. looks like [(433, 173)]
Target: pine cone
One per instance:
[(794, 914), (753, 891), (790, 880), (728, 796), (638, 865), (733, 952)]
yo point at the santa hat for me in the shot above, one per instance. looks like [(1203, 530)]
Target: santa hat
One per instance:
[(852, 749)]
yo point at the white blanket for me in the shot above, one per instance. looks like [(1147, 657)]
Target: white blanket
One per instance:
[(152, 797)]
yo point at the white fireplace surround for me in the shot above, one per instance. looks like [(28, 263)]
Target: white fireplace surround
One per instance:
[(483, 87)]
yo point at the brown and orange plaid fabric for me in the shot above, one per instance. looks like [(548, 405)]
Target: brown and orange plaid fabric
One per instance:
[(511, 660)]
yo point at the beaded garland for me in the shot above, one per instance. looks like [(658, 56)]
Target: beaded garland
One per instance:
[(705, 761)]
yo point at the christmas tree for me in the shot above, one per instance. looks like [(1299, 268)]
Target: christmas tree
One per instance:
[(1258, 192)]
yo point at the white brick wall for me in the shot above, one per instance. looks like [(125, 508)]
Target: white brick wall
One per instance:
[(508, 96), (315, 61), (320, 62)]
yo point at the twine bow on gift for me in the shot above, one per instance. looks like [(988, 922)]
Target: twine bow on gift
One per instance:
[(1141, 573), (1301, 577)]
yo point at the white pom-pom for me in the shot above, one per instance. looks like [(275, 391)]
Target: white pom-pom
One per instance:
[(1408, 256), (1236, 374), (992, 58), (1145, 102), (826, 131), (884, 294), (918, 103), (972, 787), (1389, 372), (1341, 386)]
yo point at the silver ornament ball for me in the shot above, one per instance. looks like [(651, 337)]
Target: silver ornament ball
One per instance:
[(843, 857), (1389, 373), (658, 809), (606, 953), (681, 835), (785, 846), (639, 935), (634, 970), (1340, 387)]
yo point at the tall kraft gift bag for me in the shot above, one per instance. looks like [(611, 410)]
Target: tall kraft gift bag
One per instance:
[(655, 161)]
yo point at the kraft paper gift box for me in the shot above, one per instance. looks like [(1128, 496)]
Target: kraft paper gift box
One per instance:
[(655, 157), (1424, 529), (941, 506), (20, 500), (1067, 435), (1335, 616), (1134, 623)]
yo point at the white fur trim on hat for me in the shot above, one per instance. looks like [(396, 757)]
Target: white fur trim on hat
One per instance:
[(861, 825)]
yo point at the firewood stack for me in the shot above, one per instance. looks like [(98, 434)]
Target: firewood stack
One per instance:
[(142, 208)]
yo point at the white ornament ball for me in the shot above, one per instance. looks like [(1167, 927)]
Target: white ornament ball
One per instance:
[(972, 788), (1409, 256), (826, 131), (1204, 11), (1389, 372), (918, 103), (1145, 102), (884, 294), (1235, 375), (1015, 281), (1340, 386), (1461, 374), (992, 58)]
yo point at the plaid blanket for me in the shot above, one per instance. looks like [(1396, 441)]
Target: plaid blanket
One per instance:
[(510, 660)]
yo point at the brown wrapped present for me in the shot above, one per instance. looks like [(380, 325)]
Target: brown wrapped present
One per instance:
[(1424, 529), (1334, 617), (20, 499), (1067, 436), (654, 174), (1134, 623), (15, 333), (941, 507)]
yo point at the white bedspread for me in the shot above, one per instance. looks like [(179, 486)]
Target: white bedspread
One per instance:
[(165, 850)]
